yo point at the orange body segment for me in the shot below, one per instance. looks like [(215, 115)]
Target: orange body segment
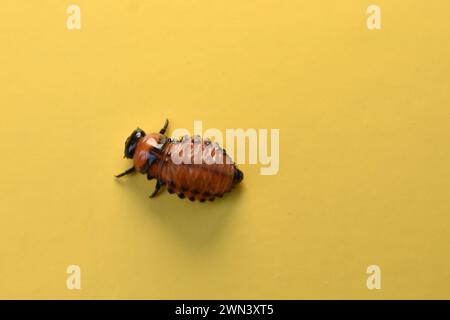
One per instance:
[(191, 168)]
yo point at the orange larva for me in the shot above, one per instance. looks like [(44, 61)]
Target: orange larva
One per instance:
[(153, 155)]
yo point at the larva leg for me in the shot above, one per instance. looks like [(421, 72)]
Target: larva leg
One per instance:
[(131, 170), (157, 187), (163, 130)]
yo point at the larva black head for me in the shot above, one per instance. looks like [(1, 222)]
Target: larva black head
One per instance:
[(131, 142)]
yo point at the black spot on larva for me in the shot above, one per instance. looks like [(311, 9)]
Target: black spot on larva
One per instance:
[(180, 195), (238, 176), (211, 199), (192, 198), (170, 190), (206, 194), (202, 200), (171, 184)]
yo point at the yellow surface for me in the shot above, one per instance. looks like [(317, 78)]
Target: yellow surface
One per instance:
[(364, 148)]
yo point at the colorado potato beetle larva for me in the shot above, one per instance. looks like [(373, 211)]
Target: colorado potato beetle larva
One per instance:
[(153, 154)]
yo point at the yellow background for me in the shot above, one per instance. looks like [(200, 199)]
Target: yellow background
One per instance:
[(364, 148)]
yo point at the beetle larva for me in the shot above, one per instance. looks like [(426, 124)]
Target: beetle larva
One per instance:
[(202, 170)]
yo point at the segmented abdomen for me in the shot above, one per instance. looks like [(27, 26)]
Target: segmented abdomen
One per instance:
[(195, 180)]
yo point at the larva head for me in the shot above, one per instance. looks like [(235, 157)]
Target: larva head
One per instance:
[(132, 141)]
